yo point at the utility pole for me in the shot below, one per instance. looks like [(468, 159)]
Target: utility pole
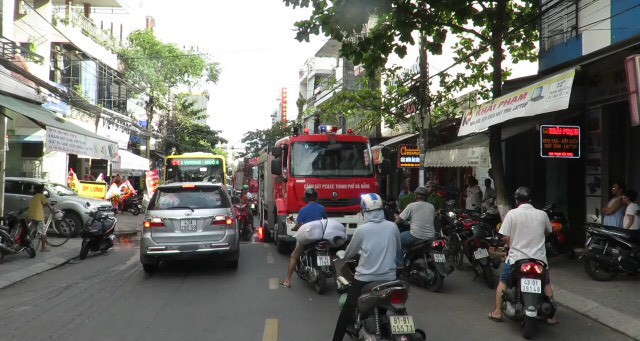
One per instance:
[(424, 118)]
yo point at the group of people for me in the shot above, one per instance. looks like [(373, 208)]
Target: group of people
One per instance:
[(622, 210)]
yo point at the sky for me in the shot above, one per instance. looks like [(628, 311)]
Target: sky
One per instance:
[(253, 41)]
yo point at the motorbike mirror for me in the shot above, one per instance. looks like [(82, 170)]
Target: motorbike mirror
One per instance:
[(46, 193)]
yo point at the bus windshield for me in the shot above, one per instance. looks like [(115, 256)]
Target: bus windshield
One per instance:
[(319, 159), (197, 170)]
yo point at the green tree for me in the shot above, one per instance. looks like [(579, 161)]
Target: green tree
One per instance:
[(487, 33), (184, 133), (155, 68), (256, 140)]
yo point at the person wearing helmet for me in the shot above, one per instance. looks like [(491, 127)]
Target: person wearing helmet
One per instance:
[(377, 241), (310, 212), (523, 229), (36, 214), (420, 215)]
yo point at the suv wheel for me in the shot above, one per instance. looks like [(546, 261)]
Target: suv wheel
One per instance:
[(74, 221)]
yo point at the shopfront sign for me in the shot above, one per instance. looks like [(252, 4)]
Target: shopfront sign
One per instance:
[(408, 156), (632, 65), (90, 189), (547, 95), (559, 141), (73, 143)]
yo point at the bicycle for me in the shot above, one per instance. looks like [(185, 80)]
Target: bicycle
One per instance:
[(53, 223)]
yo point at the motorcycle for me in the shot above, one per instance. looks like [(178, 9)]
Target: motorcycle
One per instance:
[(558, 242), (314, 266), (132, 205), (242, 216), (97, 235), (610, 252), (524, 299), (425, 264), (381, 313), (14, 235)]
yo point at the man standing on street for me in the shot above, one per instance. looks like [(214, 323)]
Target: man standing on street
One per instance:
[(311, 212), (489, 192), (524, 230), (434, 198), (377, 241)]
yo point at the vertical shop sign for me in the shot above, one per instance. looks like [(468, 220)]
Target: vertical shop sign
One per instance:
[(632, 66)]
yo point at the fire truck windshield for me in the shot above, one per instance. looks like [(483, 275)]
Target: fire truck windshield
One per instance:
[(317, 159)]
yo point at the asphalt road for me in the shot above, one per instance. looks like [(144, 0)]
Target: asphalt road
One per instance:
[(109, 297)]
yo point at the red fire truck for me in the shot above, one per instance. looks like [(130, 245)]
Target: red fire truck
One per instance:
[(339, 166)]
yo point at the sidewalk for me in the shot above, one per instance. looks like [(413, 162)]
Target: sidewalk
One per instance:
[(15, 268), (615, 304)]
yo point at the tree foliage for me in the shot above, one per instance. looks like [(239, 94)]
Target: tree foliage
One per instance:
[(486, 33), (258, 139), (185, 133)]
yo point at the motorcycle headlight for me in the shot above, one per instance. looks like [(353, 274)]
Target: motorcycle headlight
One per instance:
[(93, 209)]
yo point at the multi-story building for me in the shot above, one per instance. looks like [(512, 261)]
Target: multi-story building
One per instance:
[(69, 104)]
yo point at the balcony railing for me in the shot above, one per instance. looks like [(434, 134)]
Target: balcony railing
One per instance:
[(9, 49), (75, 17)]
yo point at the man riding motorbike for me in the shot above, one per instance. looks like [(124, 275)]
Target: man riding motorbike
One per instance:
[(524, 229), (245, 199), (420, 214), (378, 243)]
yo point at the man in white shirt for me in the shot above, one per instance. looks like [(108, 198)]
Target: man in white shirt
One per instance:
[(474, 195), (524, 230), (631, 219)]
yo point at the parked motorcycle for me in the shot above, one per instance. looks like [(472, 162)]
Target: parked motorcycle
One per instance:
[(425, 264), (97, 235), (132, 205), (314, 266), (241, 211), (558, 241), (524, 298), (610, 252), (14, 235), (381, 313)]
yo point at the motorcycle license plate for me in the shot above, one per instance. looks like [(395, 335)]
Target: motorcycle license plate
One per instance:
[(402, 324), (531, 285), (480, 253), (188, 225), (324, 261), (439, 258)]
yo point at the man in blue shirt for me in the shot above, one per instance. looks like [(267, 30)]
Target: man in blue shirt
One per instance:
[(311, 212)]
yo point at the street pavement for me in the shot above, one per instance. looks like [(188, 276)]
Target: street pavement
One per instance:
[(77, 299)]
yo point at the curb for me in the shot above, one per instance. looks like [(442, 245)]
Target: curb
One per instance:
[(609, 317), (34, 269)]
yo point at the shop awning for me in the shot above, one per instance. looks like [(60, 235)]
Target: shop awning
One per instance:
[(472, 151), (62, 135), (547, 95), (127, 161), (396, 139)]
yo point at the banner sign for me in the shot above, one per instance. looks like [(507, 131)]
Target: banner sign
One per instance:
[(547, 95), (90, 189), (408, 156), (632, 67), (560, 141), (73, 143)]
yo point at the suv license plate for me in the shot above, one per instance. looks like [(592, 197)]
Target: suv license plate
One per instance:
[(188, 225), (402, 324), (324, 261), (531, 285), (480, 253), (439, 258)]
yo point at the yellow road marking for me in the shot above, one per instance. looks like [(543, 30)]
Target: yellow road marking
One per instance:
[(273, 283), (270, 330)]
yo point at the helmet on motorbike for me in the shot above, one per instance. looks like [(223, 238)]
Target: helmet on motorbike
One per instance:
[(370, 202), (245, 187), (523, 194), (421, 192), (310, 194)]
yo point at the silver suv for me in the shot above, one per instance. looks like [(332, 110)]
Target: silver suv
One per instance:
[(76, 209), (186, 220)]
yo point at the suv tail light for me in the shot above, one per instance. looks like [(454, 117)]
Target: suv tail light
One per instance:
[(153, 222), (221, 220), (531, 268)]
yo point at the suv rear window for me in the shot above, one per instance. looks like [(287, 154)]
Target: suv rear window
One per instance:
[(195, 197)]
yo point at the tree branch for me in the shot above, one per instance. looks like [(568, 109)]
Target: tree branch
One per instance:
[(462, 28)]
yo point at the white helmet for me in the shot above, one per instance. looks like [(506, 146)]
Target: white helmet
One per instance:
[(370, 202)]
